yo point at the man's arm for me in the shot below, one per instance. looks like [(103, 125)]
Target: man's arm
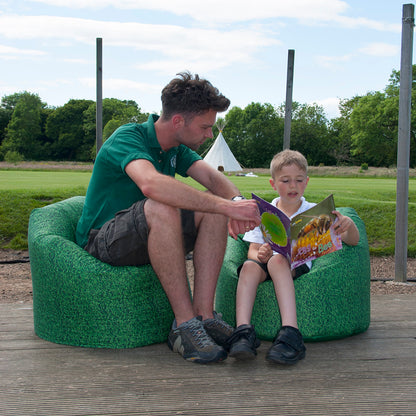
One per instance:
[(170, 191), (217, 183)]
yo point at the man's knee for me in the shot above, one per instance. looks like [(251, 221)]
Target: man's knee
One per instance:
[(157, 213), (217, 220)]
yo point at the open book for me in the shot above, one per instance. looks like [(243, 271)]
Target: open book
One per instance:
[(306, 236)]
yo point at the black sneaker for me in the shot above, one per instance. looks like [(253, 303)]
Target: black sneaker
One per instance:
[(191, 341), (218, 330), (288, 347), (243, 343)]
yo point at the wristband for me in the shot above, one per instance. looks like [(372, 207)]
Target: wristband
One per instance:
[(237, 198)]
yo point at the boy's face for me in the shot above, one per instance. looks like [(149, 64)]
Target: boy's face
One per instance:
[(290, 183)]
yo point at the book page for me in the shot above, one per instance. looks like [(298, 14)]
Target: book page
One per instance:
[(275, 227), (312, 233)]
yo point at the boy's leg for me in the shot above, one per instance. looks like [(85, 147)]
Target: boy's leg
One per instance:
[(281, 275), (243, 342), (288, 347), (251, 275)]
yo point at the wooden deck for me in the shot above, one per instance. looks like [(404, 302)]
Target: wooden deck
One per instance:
[(373, 373)]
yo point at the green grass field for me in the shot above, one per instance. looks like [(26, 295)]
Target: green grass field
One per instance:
[(374, 199)]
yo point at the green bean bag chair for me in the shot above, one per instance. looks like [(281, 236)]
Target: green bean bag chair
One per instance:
[(333, 299), (78, 300)]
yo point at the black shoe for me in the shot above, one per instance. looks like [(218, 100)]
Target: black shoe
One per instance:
[(243, 343), (194, 344), (288, 347), (218, 330)]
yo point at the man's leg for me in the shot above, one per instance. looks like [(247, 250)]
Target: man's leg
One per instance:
[(165, 246), (208, 256), (166, 253)]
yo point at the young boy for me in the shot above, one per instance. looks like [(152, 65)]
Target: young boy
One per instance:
[(289, 179)]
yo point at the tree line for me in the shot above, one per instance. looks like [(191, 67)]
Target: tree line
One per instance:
[(366, 131)]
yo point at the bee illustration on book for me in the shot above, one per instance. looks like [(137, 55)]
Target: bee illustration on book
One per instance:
[(319, 225)]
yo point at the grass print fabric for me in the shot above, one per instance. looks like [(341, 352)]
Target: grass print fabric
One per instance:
[(79, 300)]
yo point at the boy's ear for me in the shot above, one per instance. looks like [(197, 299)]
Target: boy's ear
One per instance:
[(272, 184)]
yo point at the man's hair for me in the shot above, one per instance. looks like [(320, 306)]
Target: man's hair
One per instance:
[(190, 95), (288, 157)]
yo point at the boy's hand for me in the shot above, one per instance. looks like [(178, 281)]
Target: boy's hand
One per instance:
[(343, 223), (265, 253), (346, 227)]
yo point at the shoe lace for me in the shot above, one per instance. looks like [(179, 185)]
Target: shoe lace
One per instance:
[(199, 335)]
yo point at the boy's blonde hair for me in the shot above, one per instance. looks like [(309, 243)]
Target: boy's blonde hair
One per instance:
[(288, 157)]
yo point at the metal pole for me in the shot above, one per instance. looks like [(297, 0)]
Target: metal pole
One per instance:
[(289, 94), (403, 147), (99, 104)]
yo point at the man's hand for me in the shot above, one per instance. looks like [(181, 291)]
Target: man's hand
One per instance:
[(244, 216)]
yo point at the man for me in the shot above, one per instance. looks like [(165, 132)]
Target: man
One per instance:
[(136, 212)]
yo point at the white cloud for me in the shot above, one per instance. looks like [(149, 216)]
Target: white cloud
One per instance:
[(361, 22), (117, 84), (330, 105), (232, 11), (220, 10), (380, 49), (8, 52), (54, 83), (78, 61), (212, 47), (333, 61)]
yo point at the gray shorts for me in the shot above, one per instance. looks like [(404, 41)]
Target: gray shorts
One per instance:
[(122, 241)]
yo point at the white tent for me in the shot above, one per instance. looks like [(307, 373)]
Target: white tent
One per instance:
[(220, 155)]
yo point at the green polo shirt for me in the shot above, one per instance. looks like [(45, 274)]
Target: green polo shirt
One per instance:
[(110, 189)]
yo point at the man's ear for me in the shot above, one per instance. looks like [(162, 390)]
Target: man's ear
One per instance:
[(177, 121)]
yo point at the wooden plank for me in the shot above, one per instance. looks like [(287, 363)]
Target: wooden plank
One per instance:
[(373, 373)]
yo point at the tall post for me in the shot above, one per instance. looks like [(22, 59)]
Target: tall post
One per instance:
[(289, 95), (403, 148), (99, 104)]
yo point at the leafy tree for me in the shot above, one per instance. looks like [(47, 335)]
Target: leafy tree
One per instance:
[(64, 127), (24, 131), (392, 92), (7, 105), (254, 134), (374, 130), (340, 132), (374, 125), (5, 117), (115, 114), (309, 134)]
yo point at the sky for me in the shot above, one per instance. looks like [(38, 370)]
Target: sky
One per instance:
[(342, 48)]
